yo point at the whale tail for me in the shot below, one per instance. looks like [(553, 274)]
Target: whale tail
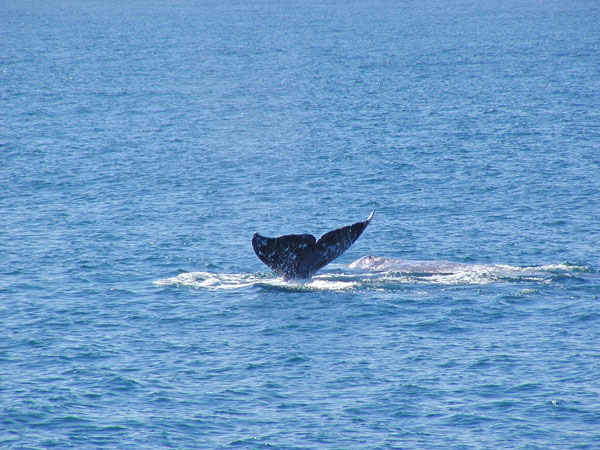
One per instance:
[(299, 256)]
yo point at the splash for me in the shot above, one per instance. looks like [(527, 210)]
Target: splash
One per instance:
[(229, 281), (379, 273)]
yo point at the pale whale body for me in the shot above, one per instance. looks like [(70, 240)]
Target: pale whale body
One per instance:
[(299, 256), (379, 264), (382, 264)]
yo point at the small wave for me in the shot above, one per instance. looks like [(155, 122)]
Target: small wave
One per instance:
[(378, 273)]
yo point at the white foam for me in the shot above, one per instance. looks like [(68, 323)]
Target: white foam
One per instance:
[(322, 283), (375, 273), (209, 280), (228, 281)]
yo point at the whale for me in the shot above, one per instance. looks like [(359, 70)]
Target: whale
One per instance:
[(300, 256)]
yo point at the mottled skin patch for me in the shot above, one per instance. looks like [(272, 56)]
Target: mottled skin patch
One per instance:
[(299, 256)]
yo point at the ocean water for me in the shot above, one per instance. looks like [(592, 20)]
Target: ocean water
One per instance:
[(142, 143)]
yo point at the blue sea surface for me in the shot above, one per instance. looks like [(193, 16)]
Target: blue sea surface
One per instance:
[(142, 143)]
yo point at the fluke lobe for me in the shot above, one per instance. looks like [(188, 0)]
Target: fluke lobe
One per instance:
[(299, 256)]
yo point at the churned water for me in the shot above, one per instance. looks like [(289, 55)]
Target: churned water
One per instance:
[(142, 143)]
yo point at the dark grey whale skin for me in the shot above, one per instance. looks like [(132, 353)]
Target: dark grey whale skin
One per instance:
[(299, 256)]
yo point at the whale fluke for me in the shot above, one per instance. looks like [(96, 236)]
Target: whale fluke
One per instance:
[(299, 256)]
